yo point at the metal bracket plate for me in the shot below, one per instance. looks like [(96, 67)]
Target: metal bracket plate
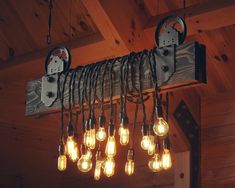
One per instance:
[(165, 66), (56, 65), (49, 89)]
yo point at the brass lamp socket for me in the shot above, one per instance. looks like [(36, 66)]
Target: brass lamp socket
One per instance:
[(70, 129), (130, 154), (99, 155), (102, 120), (111, 129), (145, 130), (61, 149), (166, 143)]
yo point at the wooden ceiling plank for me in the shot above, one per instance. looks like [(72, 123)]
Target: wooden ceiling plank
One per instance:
[(18, 37), (106, 27), (200, 17), (129, 22)]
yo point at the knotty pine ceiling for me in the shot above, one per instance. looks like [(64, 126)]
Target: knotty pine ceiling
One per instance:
[(94, 30)]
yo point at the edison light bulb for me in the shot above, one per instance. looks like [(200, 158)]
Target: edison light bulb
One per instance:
[(155, 163), (160, 127), (124, 135), (129, 167), (98, 165), (89, 138), (101, 134), (74, 153), (84, 164), (62, 162), (110, 149), (152, 145), (145, 142), (109, 167), (97, 173), (166, 159), (70, 145)]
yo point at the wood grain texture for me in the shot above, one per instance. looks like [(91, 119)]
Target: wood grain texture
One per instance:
[(218, 138), (185, 74)]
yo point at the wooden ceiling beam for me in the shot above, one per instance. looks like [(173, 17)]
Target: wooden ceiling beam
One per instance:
[(128, 18), (106, 27), (201, 17)]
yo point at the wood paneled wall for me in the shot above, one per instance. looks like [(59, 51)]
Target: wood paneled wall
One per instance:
[(218, 141)]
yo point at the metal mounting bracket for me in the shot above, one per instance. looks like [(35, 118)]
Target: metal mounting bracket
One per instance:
[(49, 89), (165, 65)]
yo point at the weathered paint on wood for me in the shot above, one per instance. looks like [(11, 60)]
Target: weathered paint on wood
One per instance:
[(188, 71)]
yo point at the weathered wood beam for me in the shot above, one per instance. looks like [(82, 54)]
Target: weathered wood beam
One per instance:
[(189, 70), (201, 17), (182, 170)]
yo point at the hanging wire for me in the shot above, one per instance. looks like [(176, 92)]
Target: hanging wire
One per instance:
[(95, 80), (167, 107), (141, 87), (61, 96), (48, 37), (102, 88), (121, 85), (184, 9), (126, 78), (134, 125), (112, 62)]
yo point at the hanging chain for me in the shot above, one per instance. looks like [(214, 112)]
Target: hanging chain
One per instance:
[(184, 9), (48, 38)]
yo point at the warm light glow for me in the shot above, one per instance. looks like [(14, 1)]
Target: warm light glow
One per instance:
[(98, 166), (155, 163), (101, 134), (62, 162), (152, 145), (74, 153), (145, 142), (71, 145), (88, 154), (109, 167), (84, 164), (110, 149), (166, 159), (129, 167), (89, 138), (124, 135), (160, 127)]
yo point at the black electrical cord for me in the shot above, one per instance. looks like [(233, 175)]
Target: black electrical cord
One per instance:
[(86, 95), (121, 86), (80, 96), (167, 107), (94, 86), (111, 122), (155, 80), (73, 72), (134, 125), (126, 78), (86, 69), (134, 97), (102, 88), (141, 88), (61, 95)]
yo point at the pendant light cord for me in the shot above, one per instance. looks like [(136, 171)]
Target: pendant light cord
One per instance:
[(112, 62), (102, 88), (141, 88)]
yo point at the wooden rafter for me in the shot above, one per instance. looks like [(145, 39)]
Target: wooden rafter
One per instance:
[(200, 17)]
